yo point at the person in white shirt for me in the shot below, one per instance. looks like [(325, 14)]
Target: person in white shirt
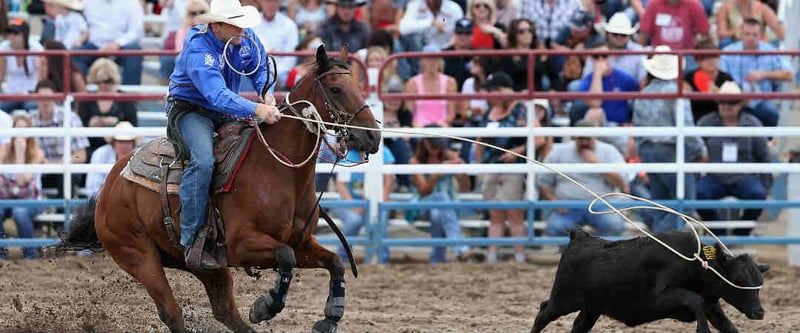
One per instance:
[(115, 25), (118, 147), (18, 74), (71, 27), (278, 33)]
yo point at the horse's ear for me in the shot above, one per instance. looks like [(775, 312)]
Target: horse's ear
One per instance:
[(343, 53), (322, 58)]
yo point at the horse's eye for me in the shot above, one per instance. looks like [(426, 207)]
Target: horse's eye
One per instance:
[(336, 90)]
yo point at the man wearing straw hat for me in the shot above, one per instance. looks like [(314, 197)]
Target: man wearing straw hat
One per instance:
[(619, 31), (204, 93), (662, 72), (117, 147)]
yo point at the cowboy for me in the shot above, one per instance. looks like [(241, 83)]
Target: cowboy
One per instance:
[(343, 28), (205, 83), (116, 148)]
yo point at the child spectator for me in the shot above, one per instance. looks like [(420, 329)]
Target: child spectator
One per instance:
[(71, 27)]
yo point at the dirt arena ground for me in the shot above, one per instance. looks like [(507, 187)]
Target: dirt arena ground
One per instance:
[(75, 294)]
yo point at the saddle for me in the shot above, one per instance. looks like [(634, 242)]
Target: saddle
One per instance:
[(231, 143)]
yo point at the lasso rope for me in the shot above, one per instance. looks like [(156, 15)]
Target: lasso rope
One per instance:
[(659, 207), (225, 55)]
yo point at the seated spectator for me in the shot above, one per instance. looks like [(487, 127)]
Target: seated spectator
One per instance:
[(48, 32), (343, 28), (396, 115), (6, 121), (71, 28), (376, 56), (674, 23), (707, 78), (757, 73), (118, 147), (597, 117), (383, 15), (481, 67), (618, 37), (486, 33), (551, 17), (663, 74), (578, 34), (308, 15), (439, 188), (306, 63), (507, 11), (115, 25), (552, 187), (415, 26), (278, 33), (52, 68), (547, 75), (432, 81), (715, 186), (105, 113), (605, 78), (52, 115), (175, 38), (21, 150), (458, 67), (350, 186), (504, 187), (732, 14), (18, 74)]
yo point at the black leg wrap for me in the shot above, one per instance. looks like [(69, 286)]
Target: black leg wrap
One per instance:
[(268, 306), (334, 307)]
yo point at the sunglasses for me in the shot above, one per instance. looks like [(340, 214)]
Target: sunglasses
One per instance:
[(13, 32), (197, 13), (526, 30), (616, 35), (106, 81), (728, 103), (599, 56)]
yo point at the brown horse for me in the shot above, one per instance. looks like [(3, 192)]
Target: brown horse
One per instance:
[(265, 213)]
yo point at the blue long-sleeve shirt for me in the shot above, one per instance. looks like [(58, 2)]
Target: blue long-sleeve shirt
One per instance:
[(202, 77)]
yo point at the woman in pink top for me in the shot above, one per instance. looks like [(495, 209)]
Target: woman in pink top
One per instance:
[(432, 81)]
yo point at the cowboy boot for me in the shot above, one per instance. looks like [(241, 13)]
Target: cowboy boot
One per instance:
[(196, 256)]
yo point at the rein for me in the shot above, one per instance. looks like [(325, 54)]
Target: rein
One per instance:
[(692, 222)]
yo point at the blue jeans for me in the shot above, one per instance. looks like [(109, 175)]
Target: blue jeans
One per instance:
[(768, 112), (408, 67), (198, 129), (710, 188), (9, 106), (23, 218), (606, 225), (444, 223), (402, 153), (352, 222), (131, 66), (663, 186)]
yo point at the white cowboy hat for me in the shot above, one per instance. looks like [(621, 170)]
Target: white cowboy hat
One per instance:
[(231, 12), (662, 66), (71, 4), (122, 126), (620, 24), (730, 87)]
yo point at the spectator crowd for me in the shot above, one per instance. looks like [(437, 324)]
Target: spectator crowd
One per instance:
[(377, 29)]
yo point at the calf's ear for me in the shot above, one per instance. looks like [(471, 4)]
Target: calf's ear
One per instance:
[(762, 267), (722, 255)]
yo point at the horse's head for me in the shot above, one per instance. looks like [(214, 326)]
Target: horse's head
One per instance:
[(342, 101)]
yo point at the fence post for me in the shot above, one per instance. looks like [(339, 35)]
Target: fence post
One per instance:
[(373, 179), (67, 119), (792, 226)]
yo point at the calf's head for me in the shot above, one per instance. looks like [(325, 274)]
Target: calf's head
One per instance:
[(744, 272)]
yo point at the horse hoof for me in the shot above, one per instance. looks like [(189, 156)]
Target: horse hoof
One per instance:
[(325, 326), (261, 309)]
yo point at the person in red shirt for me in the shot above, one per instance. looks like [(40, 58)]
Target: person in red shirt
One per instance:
[(674, 23)]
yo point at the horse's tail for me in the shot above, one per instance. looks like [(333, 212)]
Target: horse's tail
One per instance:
[(81, 234)]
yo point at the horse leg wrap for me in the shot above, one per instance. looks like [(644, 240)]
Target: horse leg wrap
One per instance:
[(334, 307), (268, 306)]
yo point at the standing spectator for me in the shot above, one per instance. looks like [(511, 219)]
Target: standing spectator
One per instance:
[(117, 147), (105, 113), (663, 70), (428, 22), (605, 78), (706, 78), (21, 150), (18, 74), (551, 16), (715, 186), (115, 25), (348, 185), (487, 33), (432, 81), (674, 23), (308, 15), (71, 28), (52, 68), (583, 149), (497, 186), (757, 73), (343, 27), (458, 67), (175, 38), (278, 33), (439, 188), (547, 76), (53, 116), (732, 14), (618, 37)]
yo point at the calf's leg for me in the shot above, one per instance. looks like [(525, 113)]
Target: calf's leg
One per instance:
[(672, 300), (718, 319), (584, 322), (547, 313)]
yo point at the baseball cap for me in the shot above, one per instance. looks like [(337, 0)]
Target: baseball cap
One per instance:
[(18, 26), (498, 79), (463, 26)]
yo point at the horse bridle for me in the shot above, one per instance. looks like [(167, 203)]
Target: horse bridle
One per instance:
[(337, 115)]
